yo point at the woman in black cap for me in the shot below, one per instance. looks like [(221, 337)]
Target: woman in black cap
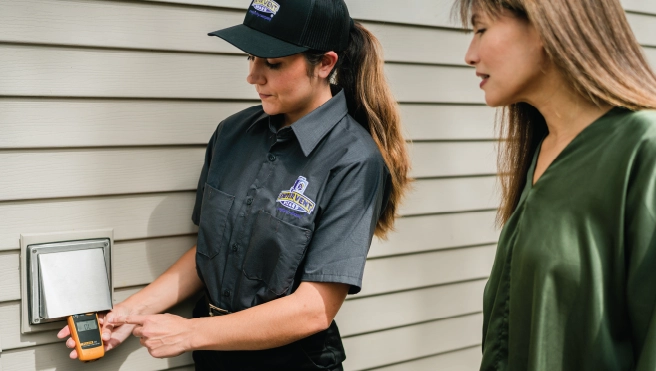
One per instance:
[(288, 200)]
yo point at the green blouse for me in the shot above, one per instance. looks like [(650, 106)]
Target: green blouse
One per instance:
[(573, 286)]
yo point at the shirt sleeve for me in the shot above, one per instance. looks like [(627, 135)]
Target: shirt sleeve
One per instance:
[(354, 198), (640, 242), (195, 215)]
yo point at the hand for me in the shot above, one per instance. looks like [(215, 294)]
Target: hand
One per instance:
[(112, 335), (165, 335)]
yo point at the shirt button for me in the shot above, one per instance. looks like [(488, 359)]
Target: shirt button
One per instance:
[(271, 157), (226, 293), (249, 201), (235, 247)]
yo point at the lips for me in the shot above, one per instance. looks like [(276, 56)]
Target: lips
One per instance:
[(264, 96), (484, 77)]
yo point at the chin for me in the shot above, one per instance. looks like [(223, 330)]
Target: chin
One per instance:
[(270, 109), (496, 101)]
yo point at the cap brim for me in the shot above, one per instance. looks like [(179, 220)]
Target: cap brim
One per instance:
[(257, 43)]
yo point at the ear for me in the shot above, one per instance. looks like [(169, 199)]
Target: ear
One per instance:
[(327, 64)]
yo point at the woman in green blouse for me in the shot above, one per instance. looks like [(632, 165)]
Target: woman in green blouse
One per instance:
[(573, 285)]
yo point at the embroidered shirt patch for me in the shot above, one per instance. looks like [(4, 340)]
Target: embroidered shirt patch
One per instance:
[(294, 199), (266, 6)]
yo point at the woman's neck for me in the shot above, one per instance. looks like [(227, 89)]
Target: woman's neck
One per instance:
[(565, 111)]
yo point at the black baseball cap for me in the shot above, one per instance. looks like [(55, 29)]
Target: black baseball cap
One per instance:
[(279, 28)]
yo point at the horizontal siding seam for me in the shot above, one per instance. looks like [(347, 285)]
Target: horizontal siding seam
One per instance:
[(423, 357), (463, 315)]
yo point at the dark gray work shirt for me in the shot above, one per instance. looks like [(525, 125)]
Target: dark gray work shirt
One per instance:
[(277, 207)]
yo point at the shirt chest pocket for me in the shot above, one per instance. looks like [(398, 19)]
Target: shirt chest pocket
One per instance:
[(213, 220), (274, 254)]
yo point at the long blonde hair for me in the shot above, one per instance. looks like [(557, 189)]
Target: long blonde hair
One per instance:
[(361, 74), (591, 43)]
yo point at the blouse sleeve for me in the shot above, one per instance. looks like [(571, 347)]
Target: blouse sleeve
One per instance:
[(344, 229), (640, 239)]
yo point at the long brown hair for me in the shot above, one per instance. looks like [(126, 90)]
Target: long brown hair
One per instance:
[(360, 72), (591, 43)]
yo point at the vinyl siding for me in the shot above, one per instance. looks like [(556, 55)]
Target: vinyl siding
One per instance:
[(105, 110)]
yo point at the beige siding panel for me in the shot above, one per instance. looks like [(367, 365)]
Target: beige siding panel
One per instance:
[(129, 356), (32, 123), (431, 84), (131, 217), (416, 12), (235, 4), (453, 159), (407, 343), (437, 122), (116, 24), (432, 232), (644, 28), (427, 269), (10, 323), (140, 262), (460, 360), (148, 26), (650, 53), (404, 308), (421, 45), (45, 71), (644, 6), (83, 172), (424, 12), (9, 276), (451, 195)]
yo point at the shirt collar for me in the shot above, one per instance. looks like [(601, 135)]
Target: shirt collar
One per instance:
[(311, 128)]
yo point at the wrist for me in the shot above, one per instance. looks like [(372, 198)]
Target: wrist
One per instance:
[(195, 339)]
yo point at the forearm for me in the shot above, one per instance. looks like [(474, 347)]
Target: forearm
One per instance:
[(279, 322), (176, 284)]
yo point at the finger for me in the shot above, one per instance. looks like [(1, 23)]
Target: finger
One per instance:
[(107, 331), (132, 319), (73, 354), (70, 343), (64, 332), (138, 331)]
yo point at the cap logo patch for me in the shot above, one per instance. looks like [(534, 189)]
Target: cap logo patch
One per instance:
[(294, 199), (265, 6)]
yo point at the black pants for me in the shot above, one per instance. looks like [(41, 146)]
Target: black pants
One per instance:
[(321, 351)]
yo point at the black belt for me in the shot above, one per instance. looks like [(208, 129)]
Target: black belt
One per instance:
[(216, 311)]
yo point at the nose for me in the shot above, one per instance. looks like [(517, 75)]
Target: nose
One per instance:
[(255, 72), (471, 57)]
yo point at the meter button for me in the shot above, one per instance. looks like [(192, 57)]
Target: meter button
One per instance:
[(226, 293)]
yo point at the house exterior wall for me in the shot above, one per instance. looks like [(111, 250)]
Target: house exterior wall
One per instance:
[(105, 110)]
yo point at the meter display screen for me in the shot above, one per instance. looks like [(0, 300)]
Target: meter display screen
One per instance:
[(87, 325)]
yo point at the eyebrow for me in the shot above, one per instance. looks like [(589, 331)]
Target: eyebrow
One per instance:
[(474, 19)]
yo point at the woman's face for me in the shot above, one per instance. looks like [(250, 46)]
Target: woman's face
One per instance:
[(284, 85), (508, 55)]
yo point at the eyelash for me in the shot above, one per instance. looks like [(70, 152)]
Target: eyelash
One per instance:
[(273, 66), (480, 31)]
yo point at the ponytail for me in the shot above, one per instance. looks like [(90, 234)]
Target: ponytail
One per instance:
[(360, 72)]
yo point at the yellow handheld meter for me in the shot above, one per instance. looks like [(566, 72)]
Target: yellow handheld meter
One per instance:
[(85, 330)]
